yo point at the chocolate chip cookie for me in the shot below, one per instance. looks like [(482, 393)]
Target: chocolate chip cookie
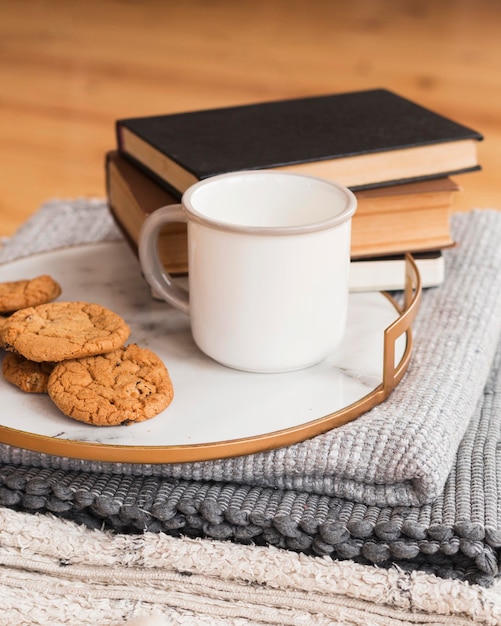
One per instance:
[(25, 293), (130, 384), (29, 376), (63, 330)]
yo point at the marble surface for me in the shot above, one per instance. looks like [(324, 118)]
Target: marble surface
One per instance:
[(212, 403)]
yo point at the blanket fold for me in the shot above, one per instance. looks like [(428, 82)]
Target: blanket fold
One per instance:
[(413, 480)]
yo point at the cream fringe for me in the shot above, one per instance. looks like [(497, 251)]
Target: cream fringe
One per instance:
[(53, 571)]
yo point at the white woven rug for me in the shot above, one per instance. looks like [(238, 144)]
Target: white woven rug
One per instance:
[(54, 572)]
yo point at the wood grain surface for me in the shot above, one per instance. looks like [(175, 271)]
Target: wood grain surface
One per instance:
[(69, 68)]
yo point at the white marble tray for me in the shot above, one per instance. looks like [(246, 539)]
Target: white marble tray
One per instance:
[(216, 411)]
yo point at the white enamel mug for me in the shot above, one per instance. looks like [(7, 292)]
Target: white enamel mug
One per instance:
[(268, 264)]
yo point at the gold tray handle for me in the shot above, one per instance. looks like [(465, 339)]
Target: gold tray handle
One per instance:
[(412, 299)]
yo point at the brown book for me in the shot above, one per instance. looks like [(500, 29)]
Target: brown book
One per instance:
[(414, 217), (132, 196), (360, 139), (388, 221)]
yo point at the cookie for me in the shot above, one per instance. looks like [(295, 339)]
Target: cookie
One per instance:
[(128, 385), (28, 375), (63, 330), (24, 293)]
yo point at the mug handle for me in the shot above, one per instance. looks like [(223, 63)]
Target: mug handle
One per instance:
[(152, 268)]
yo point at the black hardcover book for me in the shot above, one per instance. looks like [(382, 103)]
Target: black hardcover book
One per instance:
[(360, 139)]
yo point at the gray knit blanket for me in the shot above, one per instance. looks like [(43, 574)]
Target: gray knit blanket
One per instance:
[(412, 481)]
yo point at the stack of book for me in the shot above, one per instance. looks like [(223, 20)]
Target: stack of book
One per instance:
[(397, 156)]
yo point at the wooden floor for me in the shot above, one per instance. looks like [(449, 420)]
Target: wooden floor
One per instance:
[(69, 68)]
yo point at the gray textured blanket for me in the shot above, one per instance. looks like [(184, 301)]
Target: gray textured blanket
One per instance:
[(413, 480)]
